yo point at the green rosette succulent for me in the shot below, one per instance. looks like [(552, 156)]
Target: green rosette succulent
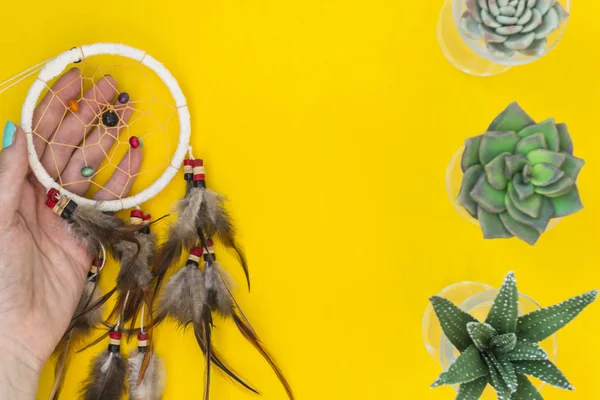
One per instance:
[(519, 175), (504, 350)]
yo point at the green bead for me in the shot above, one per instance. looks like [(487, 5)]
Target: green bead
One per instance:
[(87, 171)]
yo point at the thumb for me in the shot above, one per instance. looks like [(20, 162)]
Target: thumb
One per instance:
[(13, 168)]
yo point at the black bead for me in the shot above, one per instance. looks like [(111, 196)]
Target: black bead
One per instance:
[(110, 119)]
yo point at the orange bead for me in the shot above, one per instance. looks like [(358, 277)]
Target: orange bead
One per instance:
[(73, 105)]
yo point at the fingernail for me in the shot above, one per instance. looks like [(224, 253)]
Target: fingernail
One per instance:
[(8, 137), (107, 75)]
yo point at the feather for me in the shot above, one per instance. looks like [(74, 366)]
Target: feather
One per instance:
[(214, 220), (218, 296), (100, 229), (249, 334), (184, 296), (107, 378), (152, 385), (182, 234), (208, 355)]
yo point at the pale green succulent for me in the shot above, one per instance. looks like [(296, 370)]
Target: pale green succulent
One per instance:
[(503, 350), (511, 26), (519, 175)]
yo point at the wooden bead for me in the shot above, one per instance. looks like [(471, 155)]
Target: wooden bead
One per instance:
[(110, 119), (134, 142), (73, 105)]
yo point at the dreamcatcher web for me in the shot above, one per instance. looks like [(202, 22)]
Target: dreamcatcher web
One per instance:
[(117, 104)]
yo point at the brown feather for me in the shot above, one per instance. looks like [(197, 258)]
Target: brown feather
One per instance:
[(249, 334), (218, 297), (184, 296), (100, 229), (182, 235), (214, 220), (107, 378)]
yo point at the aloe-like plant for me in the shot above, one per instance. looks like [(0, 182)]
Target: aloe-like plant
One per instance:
[(519, 175), (503, 350), (511, 26)]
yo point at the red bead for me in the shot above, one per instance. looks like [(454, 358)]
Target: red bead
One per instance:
[(188, 162), (115, 335), (143, 336), (97, 262), (52, 197), (147, 217), (209, 243), (137, 214), (199, 177), (198, 163), (134, 142), (196, 251)]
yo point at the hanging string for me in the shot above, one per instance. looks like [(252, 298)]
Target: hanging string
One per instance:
[(142, 321), (101, 266), (191, 152), (119, 319), (21, 76)]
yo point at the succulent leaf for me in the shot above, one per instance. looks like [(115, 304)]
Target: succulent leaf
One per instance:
[(522, 231), (559, 188), (536, 48), (504, 312), (566, 143), (467, 367), (504, 343), (470, 178), (572, 166), (548, 129), (491, 225), (526, 351), (550, 23), (487, 197), (545, 174), (567, 204), (508, 374), (470, 27), (513, 118), (522, 189), (494, 143), (525, 390), (530, 143), (497, 381), (472, 390), (495, 172), (470, 155), (453, 321), (544, 370), (540, 223), (481, 334), (514, 163), (540, 324), (531, 206), (543, 156)]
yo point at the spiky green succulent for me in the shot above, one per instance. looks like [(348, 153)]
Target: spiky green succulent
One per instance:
[(519, 175), (503, 350), (511, 26)]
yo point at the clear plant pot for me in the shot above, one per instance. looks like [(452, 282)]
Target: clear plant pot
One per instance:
[(476, 298), (472, 56), (454, 177)]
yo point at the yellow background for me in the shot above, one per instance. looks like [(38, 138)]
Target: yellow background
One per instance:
[(329, 125)]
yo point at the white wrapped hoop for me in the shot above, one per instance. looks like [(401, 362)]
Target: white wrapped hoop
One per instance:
[(54, 68)]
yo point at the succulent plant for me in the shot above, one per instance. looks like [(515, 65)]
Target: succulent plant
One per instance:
[(510, 26), (503, 350), (519, 175)]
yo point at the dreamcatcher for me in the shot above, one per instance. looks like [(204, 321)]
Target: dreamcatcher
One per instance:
[(114, 125)]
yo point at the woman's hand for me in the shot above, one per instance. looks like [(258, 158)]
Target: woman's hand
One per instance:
[(42, 268)]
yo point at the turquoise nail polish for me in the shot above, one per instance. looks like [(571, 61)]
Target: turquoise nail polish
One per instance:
[(8, 137)]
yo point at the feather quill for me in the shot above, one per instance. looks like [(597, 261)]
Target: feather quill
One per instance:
[(152, 385)]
